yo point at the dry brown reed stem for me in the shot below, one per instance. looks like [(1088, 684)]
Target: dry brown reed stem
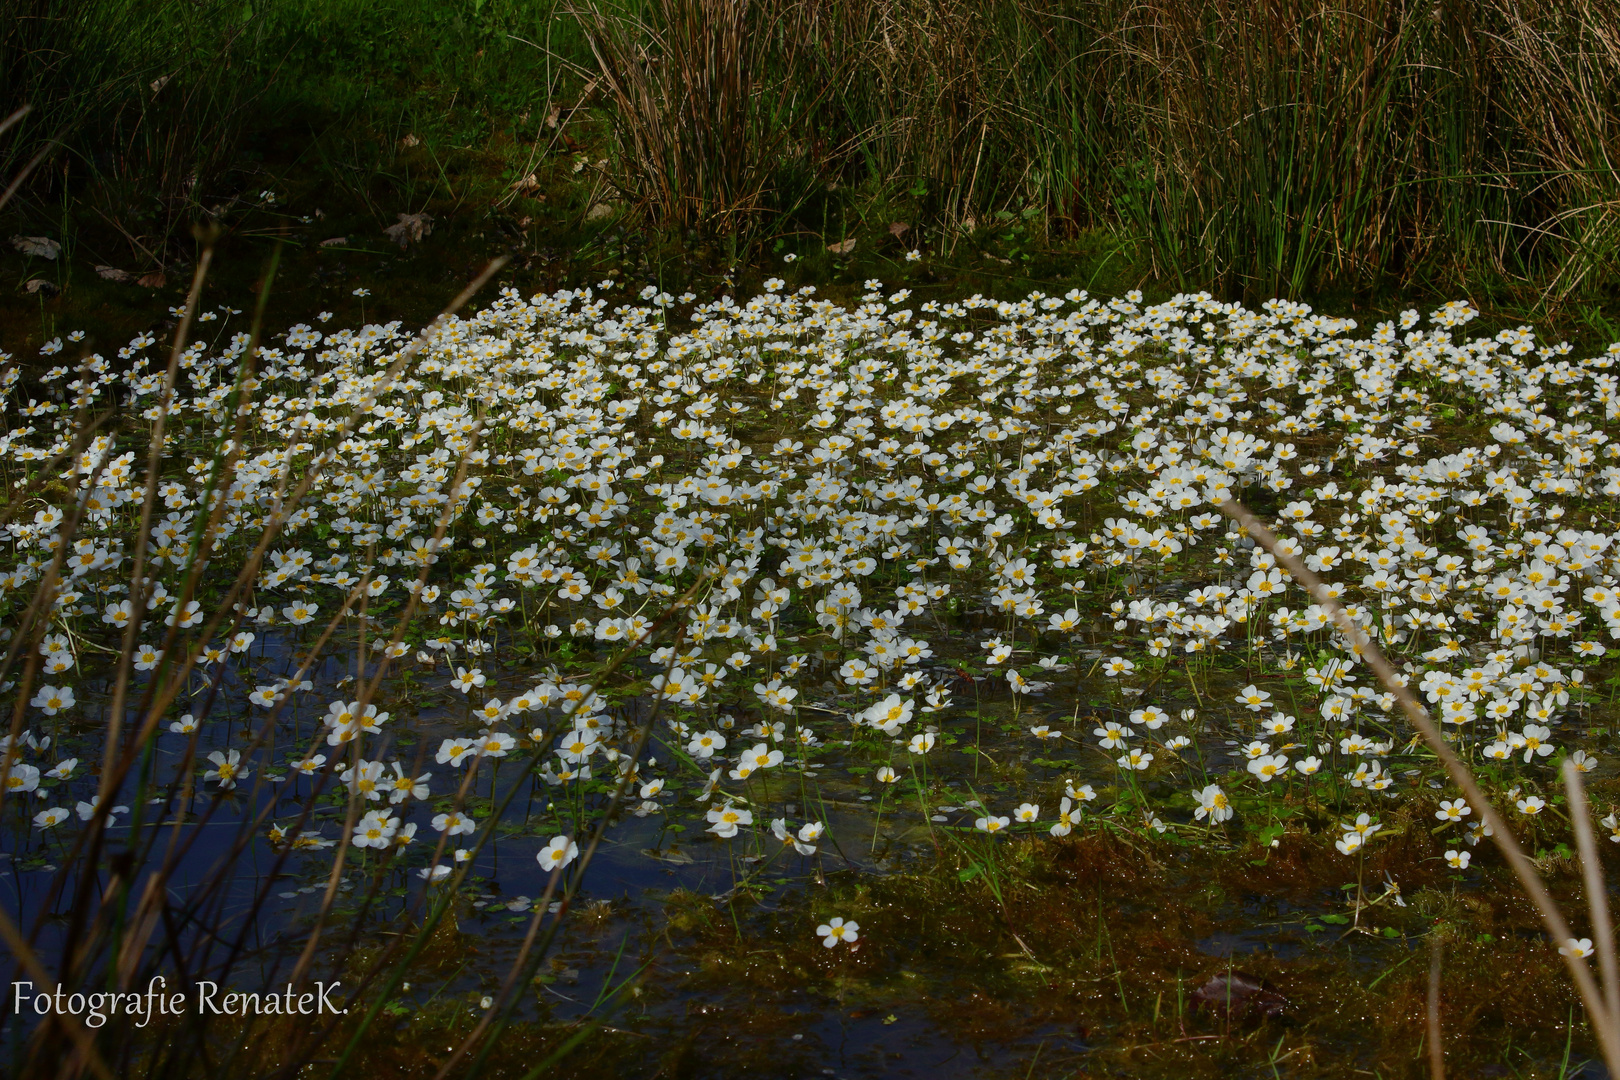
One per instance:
[(1437, 1050), (496, 1014), (1597, 893), (20, 497), (454, 883), (88, 1057), (154, 462), (1598, 1012), (367, 690), (157, 699)]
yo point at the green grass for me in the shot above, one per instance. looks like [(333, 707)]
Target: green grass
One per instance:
[(1307, 147)]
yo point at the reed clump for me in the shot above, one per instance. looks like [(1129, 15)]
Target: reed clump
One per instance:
[(1277, 147)]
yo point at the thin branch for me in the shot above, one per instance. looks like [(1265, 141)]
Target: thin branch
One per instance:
[(1598, 1013)]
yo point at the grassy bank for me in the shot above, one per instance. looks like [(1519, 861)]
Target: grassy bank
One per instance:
[(1313, 149)]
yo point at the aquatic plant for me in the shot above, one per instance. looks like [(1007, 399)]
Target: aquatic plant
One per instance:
[(537, 574)]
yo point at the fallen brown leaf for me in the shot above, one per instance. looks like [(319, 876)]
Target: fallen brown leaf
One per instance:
[(410, 227), (41, 247)]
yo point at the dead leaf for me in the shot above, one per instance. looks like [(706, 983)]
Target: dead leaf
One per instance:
[(154, 280), (409, 141), (844, 248), (112, 273), (410, 227), (40, 247), (1241, 995), (669, 855), (335, 241), (898, 229), (40, 285)]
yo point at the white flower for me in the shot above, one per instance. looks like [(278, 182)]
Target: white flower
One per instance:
[(1269, 767), (1213, 803), (1577, 947), (558, 853), (1453, 810), (835, 930), (47, 819), (376, 830), (53, 699), (890, 714), (227, 768), (727, 819)]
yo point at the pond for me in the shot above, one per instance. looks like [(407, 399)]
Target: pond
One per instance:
[(783, 687)]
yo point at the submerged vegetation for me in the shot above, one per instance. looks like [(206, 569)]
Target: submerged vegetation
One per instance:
[(847, 659)]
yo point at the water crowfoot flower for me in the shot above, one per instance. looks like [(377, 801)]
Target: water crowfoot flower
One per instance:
[(1581, 947), (53, 700), (557, 854), (1453, 810), (1213, 803), (46, 819), (227, 768), (835, 930), (727, 819)]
